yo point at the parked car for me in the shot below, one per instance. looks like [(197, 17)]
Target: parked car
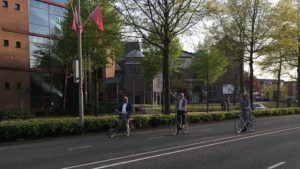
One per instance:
[(259, 106)]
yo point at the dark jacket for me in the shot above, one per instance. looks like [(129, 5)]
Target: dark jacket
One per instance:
[(128, 108), (183, 104)]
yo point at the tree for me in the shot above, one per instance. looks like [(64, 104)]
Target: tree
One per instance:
[(153, 60), (97, 46), (278, 54), (249, 23), (166, 19), (270, 92), (208, 64)]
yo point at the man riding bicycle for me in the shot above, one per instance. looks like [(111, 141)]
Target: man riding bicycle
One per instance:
[(181, 108), (245, 106), (125, 110)]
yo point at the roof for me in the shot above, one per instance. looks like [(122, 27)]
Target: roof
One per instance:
[(134, 54), (129, 46)]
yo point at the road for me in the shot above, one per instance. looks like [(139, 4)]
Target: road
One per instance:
[(274, 144)]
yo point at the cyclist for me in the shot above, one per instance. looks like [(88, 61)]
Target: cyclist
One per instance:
[(245, 106), (181, 108), (125, 110)]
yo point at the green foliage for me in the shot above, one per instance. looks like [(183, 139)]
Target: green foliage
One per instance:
[(153, 61), (96, 46), (107, 107), (209, 63), (280, 54), (269, 91), (13, 114), (11, 130)]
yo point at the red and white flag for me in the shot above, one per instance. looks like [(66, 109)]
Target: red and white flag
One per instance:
[(75, 22), (97, 17)]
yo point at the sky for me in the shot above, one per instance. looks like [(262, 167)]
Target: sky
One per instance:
[(196, 35)]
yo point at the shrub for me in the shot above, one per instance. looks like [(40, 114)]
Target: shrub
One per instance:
[(13, 114), (11, 130)]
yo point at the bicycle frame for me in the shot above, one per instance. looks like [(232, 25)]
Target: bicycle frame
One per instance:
[(118, 126), (241, 123), (176, 126)]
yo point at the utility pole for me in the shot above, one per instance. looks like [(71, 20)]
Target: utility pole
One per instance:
[(81, 108), (207, 84)]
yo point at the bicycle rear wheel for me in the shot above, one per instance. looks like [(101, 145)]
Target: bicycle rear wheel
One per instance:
[(185, 127), (252, 123), (173, 127), (113, 130), (238, 125)]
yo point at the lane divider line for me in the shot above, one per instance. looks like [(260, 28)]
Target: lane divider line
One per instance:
[(151, 138), (193, 148), (76, 148), (170, 148), (276, 165)]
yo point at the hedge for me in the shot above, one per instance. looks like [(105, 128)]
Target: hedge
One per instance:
[(11, 130), (13, 114)]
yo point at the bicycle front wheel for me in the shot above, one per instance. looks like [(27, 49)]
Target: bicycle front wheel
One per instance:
[(238, 125), (113, 130), (252, 123), (185, 127), (173, 127)]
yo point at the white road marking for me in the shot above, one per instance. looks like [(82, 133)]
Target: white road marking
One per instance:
[(267, 132), (276, 165), (75, 148), (145, 153), (151, 138)]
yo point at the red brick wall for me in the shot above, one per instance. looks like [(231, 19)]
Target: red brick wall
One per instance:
[(14, 58)]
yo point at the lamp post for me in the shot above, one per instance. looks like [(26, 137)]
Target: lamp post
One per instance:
[(81, 106)]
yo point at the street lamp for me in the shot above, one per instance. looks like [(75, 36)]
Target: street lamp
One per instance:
[(81, 106)]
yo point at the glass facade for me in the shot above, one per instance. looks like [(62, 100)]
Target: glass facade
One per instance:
[(47, 77)]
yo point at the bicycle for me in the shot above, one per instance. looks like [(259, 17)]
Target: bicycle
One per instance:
[(176, 126), (241, 125), (119, 126)]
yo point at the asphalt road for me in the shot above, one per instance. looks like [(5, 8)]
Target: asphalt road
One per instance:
[(274, 144)]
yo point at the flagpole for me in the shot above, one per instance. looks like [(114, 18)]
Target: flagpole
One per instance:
[(81, 108)]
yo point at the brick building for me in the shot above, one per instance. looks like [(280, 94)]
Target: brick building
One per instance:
[(30, 73)]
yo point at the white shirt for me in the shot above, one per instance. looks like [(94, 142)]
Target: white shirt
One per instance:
[(180, 105), (124, 111)]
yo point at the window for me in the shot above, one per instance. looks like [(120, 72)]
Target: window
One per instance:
[(7, 86), (5, 4), (38, 16), (17, 7), (18, 44), (6, 43), (38, 29)]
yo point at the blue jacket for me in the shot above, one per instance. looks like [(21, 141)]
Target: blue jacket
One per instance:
[(128, 108)]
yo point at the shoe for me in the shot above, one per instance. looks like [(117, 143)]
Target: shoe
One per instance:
[(127, 134)]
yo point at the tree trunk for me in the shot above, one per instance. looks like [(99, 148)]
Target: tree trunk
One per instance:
[(298, 79), (22, 103), (251, 79), (252, 51), (207, 82), (65, 89), (242, 76), (298, 66), (166, 78), (96, 93), (278, 81)]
